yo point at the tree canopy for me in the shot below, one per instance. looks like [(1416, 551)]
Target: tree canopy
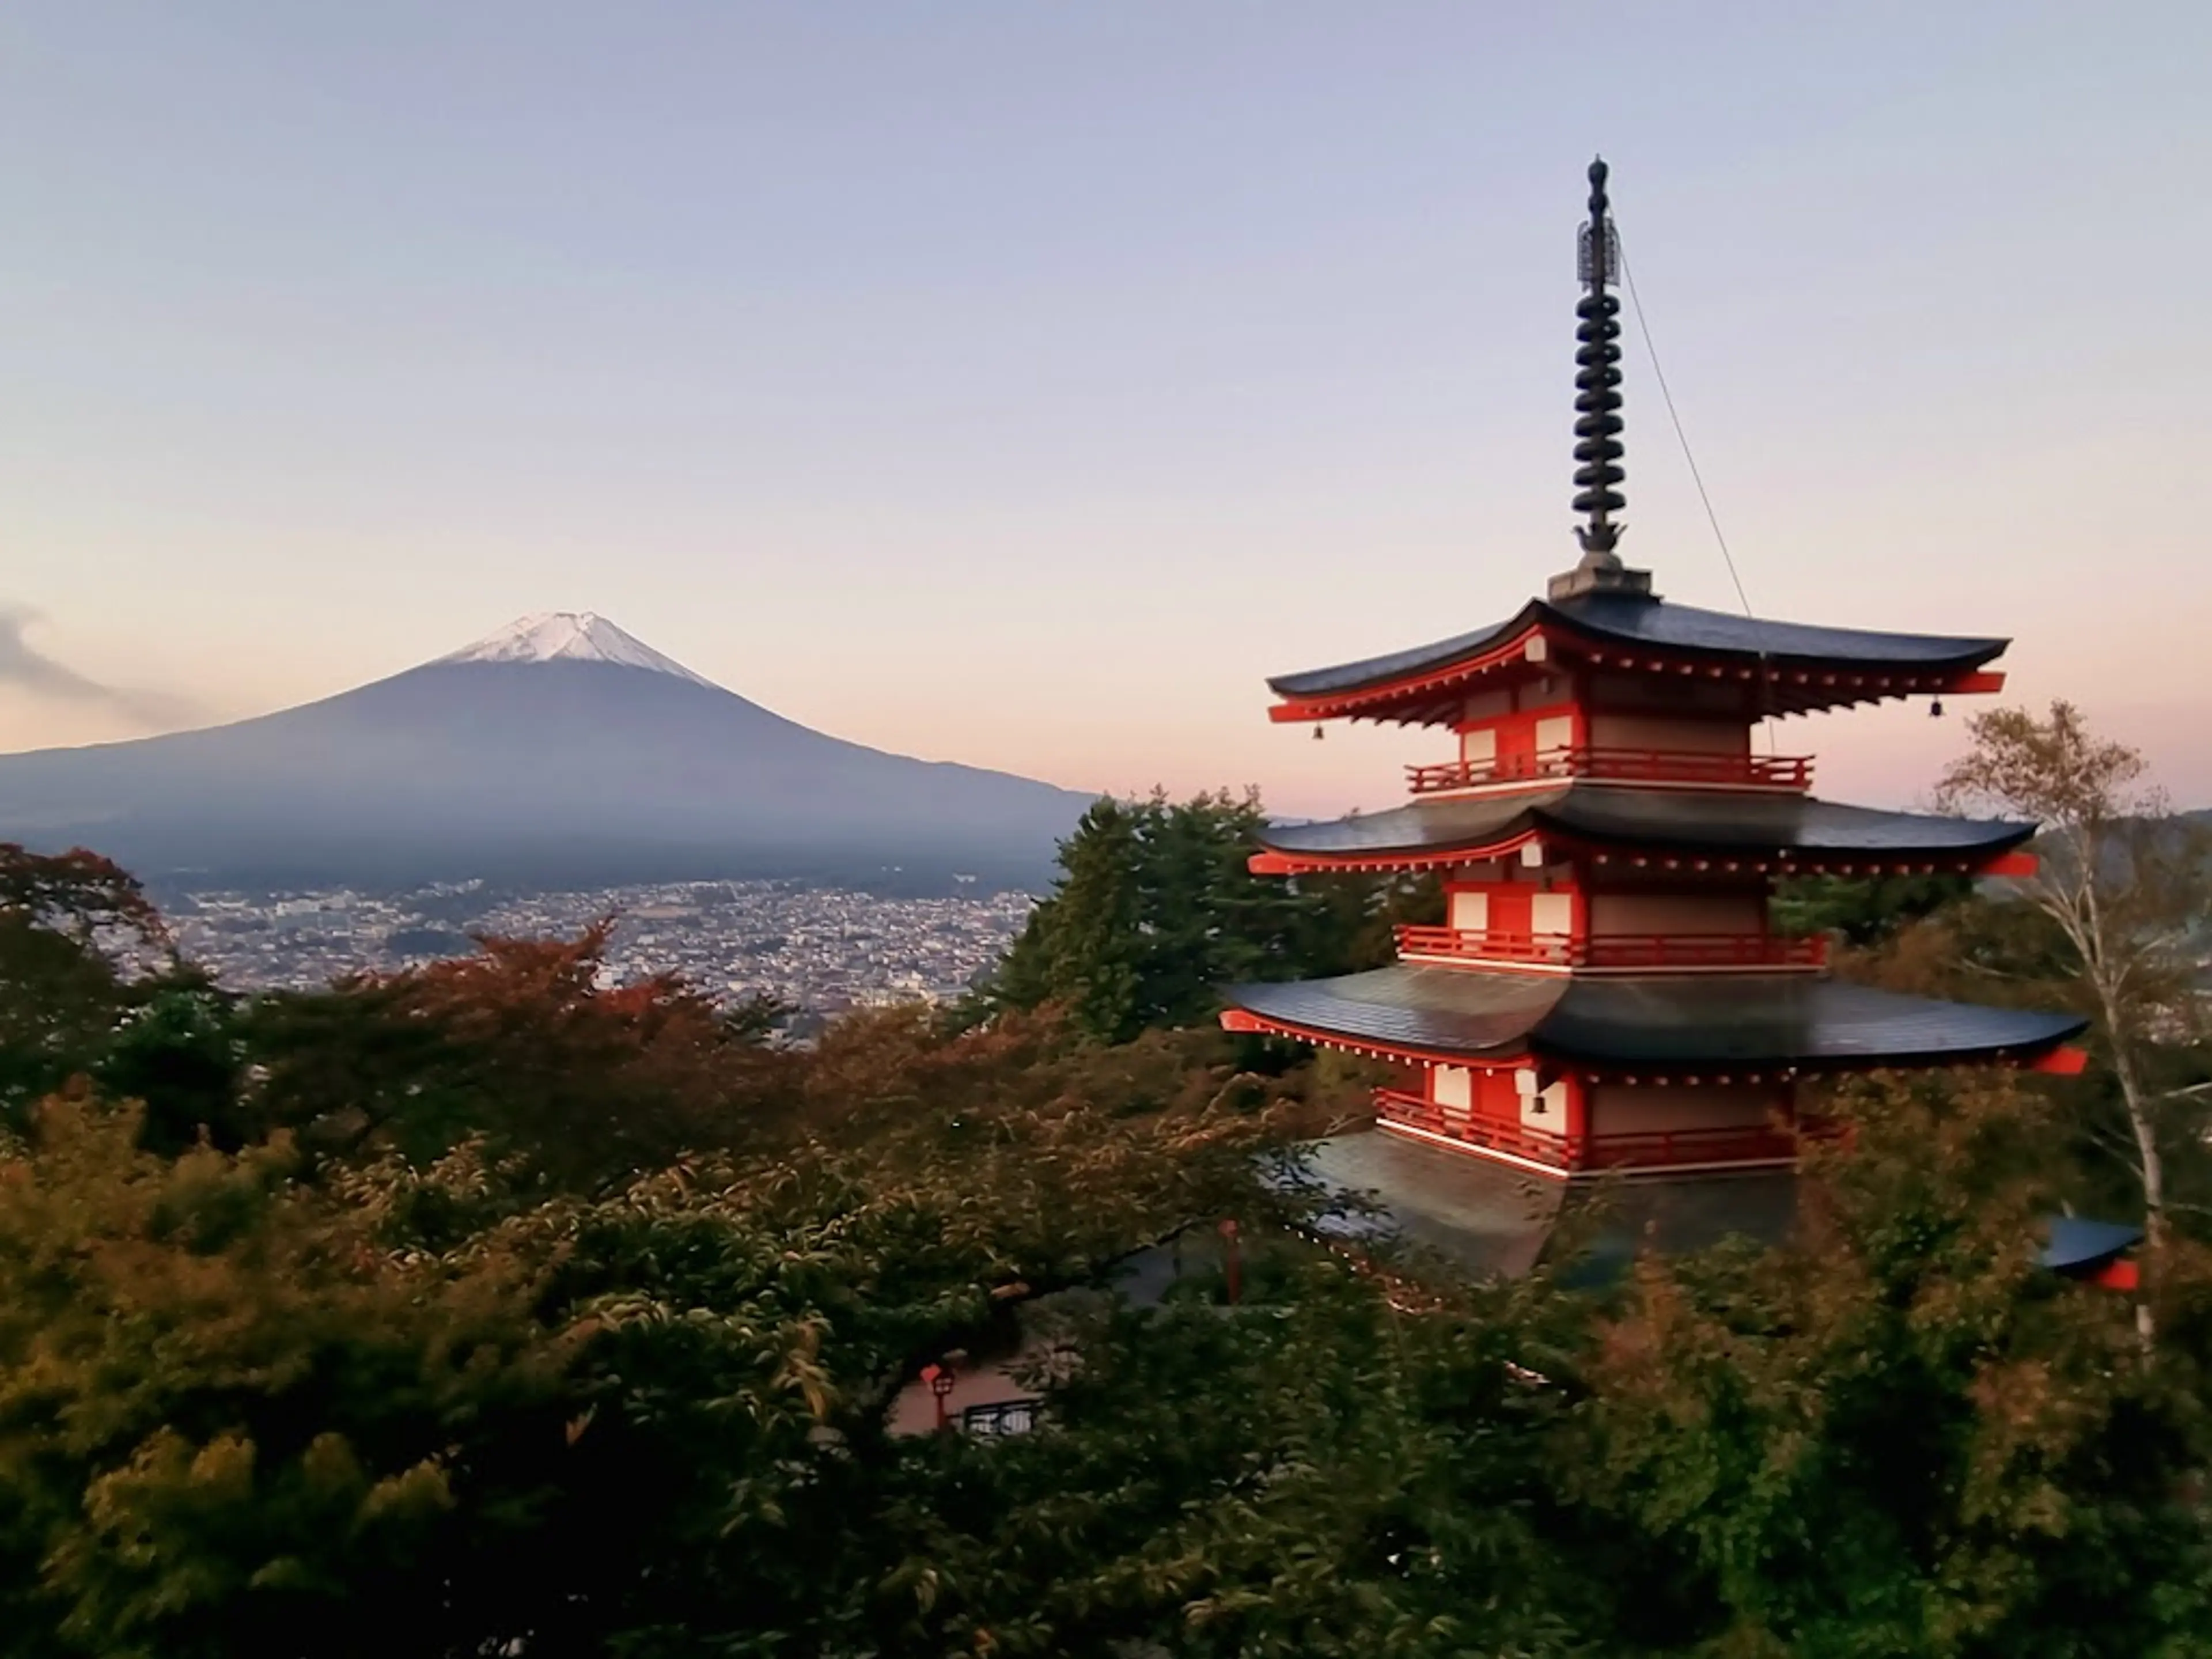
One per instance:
[(492, 1306), (1155, 911)]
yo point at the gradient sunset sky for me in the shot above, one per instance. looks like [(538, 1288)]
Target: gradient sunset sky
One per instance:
[(1020, 384)]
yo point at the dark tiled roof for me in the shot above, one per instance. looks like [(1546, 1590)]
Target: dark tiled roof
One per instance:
[(1453, 1009), (1495, 1221), (1416, 659), (1486, 1218), (1655, 622), (2077, 1242), (1700, 819), (1637, 620), (1749, 1019)]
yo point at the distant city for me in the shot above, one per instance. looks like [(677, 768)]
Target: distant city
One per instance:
[(819, 949)]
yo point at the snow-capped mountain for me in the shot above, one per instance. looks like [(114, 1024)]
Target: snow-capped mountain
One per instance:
[(557, 750), (570, 636)]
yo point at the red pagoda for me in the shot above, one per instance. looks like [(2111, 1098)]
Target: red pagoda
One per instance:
[(1607, 992)]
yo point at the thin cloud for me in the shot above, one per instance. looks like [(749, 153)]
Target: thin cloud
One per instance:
[(24, 667)]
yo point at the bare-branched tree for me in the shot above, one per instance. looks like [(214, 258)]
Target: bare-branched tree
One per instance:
[(2123, 880)]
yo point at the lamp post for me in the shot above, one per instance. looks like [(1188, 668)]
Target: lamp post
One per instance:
[(940, 1378)]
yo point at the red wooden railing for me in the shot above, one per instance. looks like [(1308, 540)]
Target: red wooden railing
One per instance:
[(1649, 1149), (1620, 765), (1478, 946), (1621, 951), (1499, 1134)]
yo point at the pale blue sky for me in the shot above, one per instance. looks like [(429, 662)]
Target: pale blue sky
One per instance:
[(1019, 384)]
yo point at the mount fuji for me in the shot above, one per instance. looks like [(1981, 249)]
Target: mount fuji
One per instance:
[(558, 751)]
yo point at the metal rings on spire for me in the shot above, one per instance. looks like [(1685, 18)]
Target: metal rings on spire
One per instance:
[(1598, 471)]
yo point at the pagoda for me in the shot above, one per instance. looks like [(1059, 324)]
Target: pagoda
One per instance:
[(1607, 992)]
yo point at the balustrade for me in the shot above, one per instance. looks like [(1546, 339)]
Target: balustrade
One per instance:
[(1650, 1149), (1618, 765), (1623, 952)]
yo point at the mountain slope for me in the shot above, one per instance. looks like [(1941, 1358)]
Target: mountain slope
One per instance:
[(559, 750)]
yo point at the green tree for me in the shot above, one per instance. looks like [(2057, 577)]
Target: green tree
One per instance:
[(89, 981), (233, 1422), (181, 1052), (1864, 911), (1156, 910), (1330, 1473), (256, 1403), (1901, 1435)]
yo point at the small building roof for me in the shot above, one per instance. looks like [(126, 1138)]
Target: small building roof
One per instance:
[(2078, 1243), (1659, 1022), (1641, 621), (1690, 820)]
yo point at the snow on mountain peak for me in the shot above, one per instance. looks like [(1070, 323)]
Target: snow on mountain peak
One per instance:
[(570, 636)]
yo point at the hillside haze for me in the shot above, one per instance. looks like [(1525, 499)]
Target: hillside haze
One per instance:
[(560, 751)]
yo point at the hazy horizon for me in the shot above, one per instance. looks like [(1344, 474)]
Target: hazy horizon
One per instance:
[(1023, 387)]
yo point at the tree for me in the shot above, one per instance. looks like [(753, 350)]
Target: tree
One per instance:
[(1866, 911), (1901, 1435), (1155, 911), (234, 1422), (257, 1404), (2124, 883), (82, 951), (181, 1052), (1325, 1473), (522, 1046)]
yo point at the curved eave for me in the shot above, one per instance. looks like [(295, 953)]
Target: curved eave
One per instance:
[(1655, 1027), (1700, 830), (1426, 684)]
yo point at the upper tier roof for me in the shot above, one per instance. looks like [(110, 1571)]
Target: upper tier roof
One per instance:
[(1777, 825), (1635, 620), (1650, 1021)]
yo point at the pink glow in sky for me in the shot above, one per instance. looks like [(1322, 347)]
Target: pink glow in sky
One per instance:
[(1023, 384)]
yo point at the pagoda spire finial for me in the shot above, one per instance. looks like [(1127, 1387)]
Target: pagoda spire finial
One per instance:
[(1598, 472)]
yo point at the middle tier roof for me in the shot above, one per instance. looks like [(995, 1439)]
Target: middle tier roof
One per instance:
[(1785, 828), (1666, 1023)]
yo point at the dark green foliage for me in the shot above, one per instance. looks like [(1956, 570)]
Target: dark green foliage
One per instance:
[(1904, 1437), (1323, 1475), (182, 1052), (484, 1309), (1155, 911), (1865, 910), (89, 984)]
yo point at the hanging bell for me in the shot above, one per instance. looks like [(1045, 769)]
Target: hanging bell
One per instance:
[(1318, 734), (1935, 709)]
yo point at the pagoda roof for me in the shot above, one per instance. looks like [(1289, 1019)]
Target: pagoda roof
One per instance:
[(1664, 1022), (1491, 1219), (1642, 622), (1788, 826)]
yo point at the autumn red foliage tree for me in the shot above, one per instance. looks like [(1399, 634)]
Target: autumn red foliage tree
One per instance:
[(527, 1047)]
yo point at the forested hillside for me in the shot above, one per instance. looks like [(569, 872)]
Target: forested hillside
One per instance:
[(481, 1308)]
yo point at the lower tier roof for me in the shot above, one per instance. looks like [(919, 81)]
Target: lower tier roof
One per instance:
[(1688, 820), (1492, 1220), (1655, 1021)]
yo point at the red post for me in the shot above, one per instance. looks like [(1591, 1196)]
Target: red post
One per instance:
[(940, 1378), (2118, 1274), (1232, 1261)]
